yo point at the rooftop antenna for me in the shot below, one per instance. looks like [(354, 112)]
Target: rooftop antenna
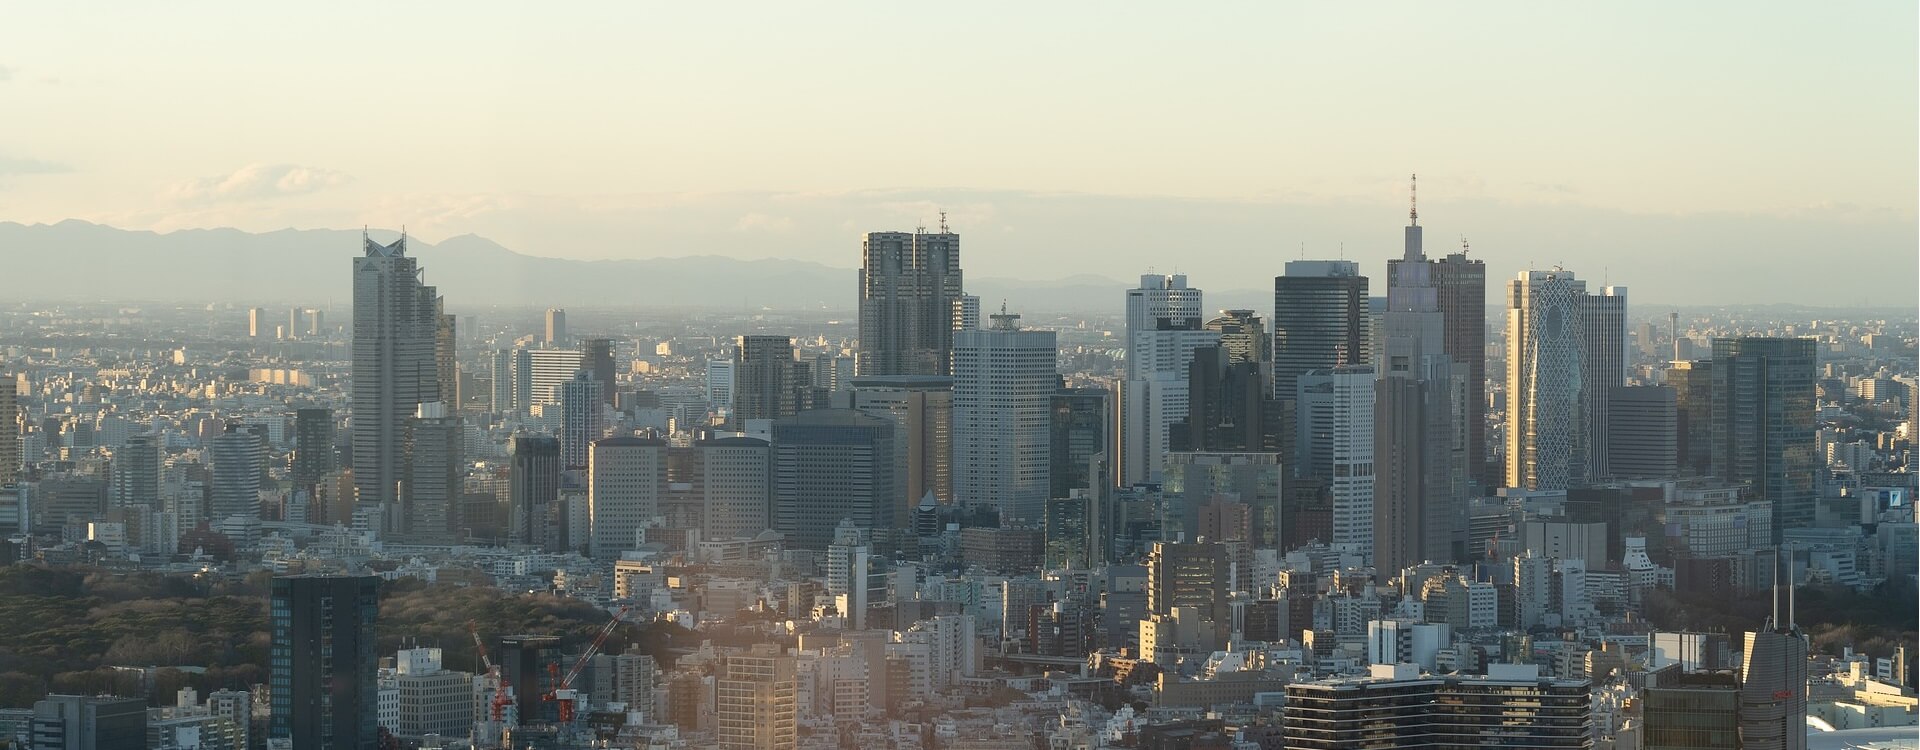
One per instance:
[(943, 222), (1413, 200), (1463, 244)]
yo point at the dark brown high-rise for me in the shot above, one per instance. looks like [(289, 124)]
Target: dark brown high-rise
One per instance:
[(1460, 286)]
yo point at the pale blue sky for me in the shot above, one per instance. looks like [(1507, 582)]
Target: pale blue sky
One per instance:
[(623, 129)]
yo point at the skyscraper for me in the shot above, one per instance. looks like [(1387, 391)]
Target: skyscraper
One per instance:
[(1419, 453), (88, 722), (136, 473), (1319, 320), (323, 663), (1603, 368), (1692, 384), (832, 465), (1546, 342), (754, 704), (446, 367), (582, 418), (500, 374), (1244, 335), (1077, 430), (425, 514), (910, 293), (1773, 671), (921, 407), (1189, 574), (763, 378), (626, 481), (1460, 290), (533, 479), (546, 370), (556, 327), (1163, 330), (1003, 383), (1642, 433), (596, 356), (733, 477), (1229, 407), (313, 454), (395, 327), (259, 326), (1763, 426), (239, 458), (1335, 445), (9, 428)]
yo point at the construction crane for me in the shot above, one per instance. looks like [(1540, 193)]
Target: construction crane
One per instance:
[(502, 692), (562, 691)]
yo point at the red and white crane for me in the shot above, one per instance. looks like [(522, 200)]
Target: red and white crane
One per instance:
[(563, 692)]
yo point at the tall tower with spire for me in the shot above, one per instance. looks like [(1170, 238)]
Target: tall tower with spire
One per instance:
[(396, 319), (1420, 464), (1773, 673)]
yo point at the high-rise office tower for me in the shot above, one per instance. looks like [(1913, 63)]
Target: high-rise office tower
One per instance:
[(1249, 481), (1244, 335), (316, 322), (533, 479), (1603, 368), (582, 418), (425, 513), (500, 372), (1692, 384), (1077, 430), (1189, 574), (546, 371), (10, 458), (626, 481), (909, 292), (733, 477), (1691, 710), (1773, 672), (523, 380), (1319, 320), (1164, 328), (556, 327), (1460, 290), (258, 324), (921, 407), (1419, 452), (763, 378), (966, 312), (754, 703), (1003, 383), (239, 458), (136, 473), (1335, 444), (720, 383), (313, 452), (293, 322), (1229, 407), (1642, 433), (596, 356), (1546, 343), (446, 365), (395, 327), (831, 465), (322, 674), (1764, 431)]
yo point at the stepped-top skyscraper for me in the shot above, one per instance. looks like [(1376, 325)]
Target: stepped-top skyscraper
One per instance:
[(1164, 328), (1420, 463), (395, 325), (909, 290)]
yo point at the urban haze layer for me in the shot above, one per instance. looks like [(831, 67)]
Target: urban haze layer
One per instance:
[(1454, 506)]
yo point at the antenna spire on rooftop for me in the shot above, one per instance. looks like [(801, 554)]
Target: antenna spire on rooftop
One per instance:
[(943, 221), (1413, 200)]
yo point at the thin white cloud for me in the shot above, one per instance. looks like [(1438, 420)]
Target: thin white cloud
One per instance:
[(18, 165), (759, 222), (256, 181)]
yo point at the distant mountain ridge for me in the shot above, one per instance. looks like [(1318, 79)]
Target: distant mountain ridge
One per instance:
[(77, 260)]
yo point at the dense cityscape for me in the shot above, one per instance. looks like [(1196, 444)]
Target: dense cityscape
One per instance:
[(1457, 506)]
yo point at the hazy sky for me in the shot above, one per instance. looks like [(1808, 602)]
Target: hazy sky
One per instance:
[(599, 130)]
